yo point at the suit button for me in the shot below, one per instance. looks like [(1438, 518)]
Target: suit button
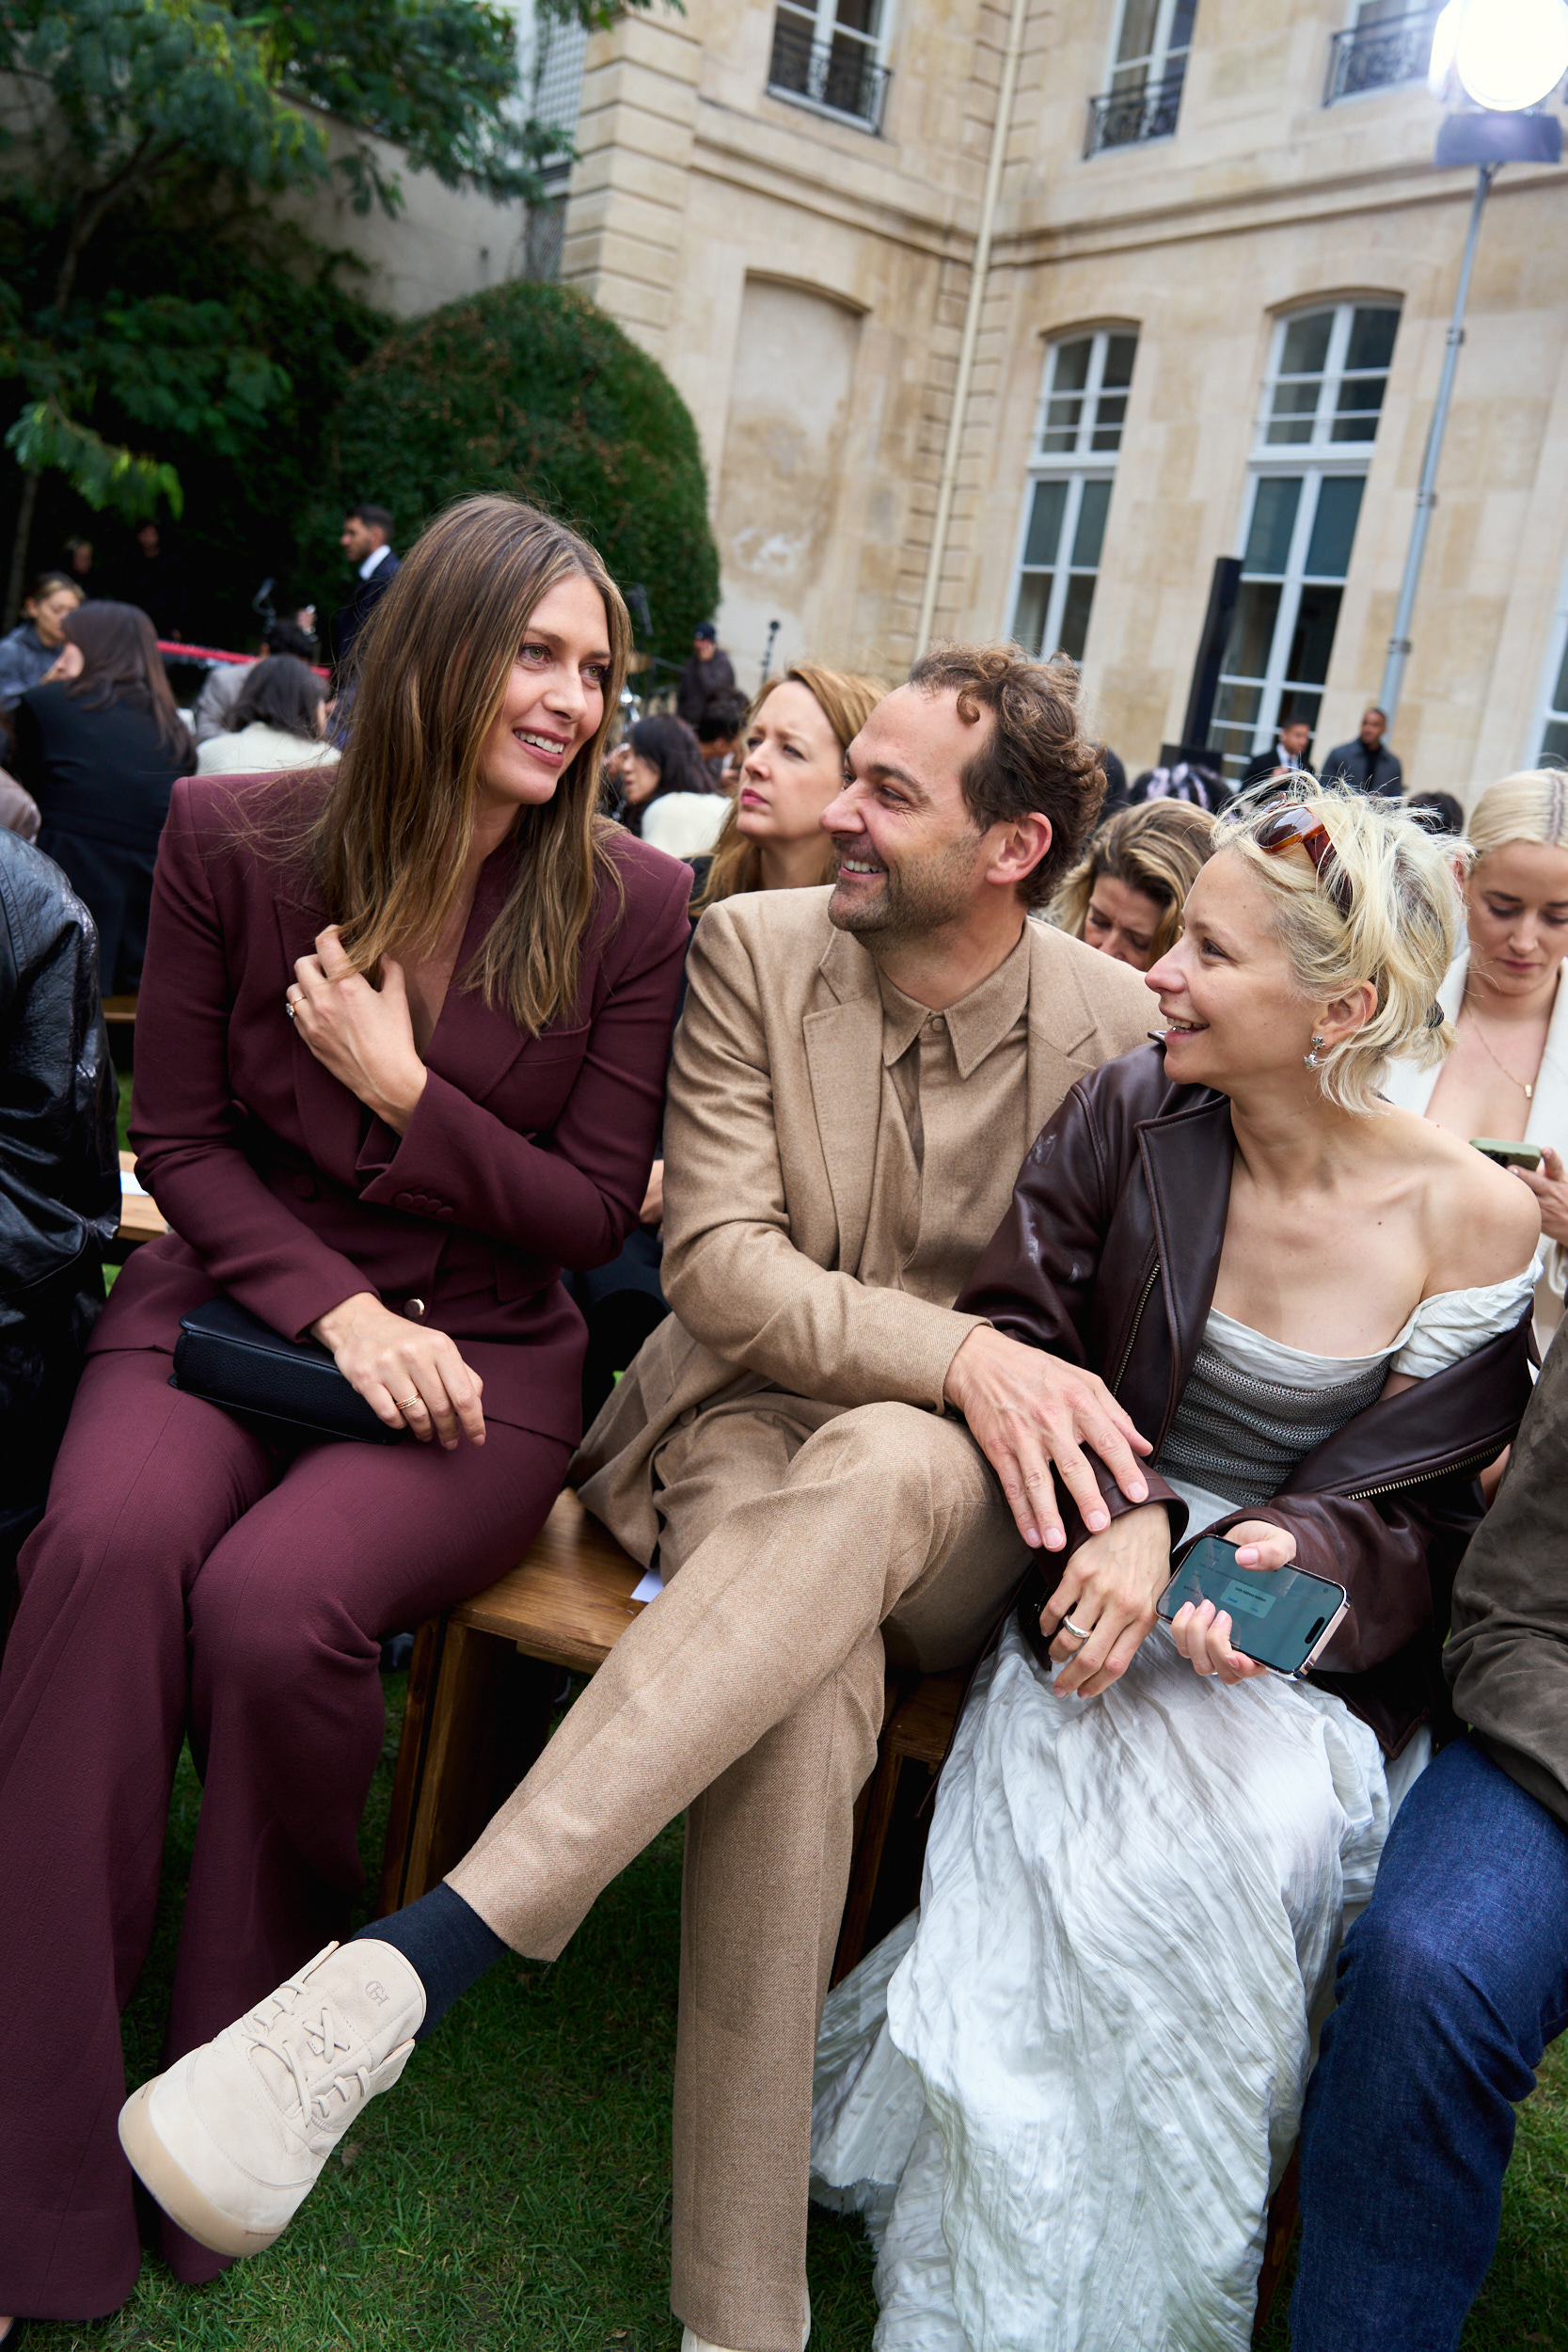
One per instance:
[(402, 1200), (414, 1310), (444, 1208)]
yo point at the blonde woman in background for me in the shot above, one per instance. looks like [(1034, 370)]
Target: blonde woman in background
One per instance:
[(1508, 1073), (1126, 893), (802, 724)]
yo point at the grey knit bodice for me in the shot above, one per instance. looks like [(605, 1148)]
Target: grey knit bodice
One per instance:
[(1241, 1437)]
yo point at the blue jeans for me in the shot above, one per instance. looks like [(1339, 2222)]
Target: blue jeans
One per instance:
[(1450, 1986)]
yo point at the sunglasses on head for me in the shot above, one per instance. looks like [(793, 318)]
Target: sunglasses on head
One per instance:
[(1296, 828)]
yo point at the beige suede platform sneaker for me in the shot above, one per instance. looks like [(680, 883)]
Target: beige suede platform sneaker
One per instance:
[(231, 2140)]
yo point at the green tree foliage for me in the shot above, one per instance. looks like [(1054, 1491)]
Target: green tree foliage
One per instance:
[(531, 389), (116, 101)]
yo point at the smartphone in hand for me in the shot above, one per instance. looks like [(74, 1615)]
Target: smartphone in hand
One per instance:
[(1281, 1617)]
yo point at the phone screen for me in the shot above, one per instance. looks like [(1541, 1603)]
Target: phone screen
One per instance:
[(1277, 1616)]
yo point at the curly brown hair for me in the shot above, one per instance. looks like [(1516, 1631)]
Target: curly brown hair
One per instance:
[(1037, 760)]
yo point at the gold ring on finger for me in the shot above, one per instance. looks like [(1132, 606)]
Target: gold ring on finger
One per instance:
[(407, 1403)]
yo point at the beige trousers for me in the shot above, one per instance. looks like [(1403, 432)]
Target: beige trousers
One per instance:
[(801, 1546)]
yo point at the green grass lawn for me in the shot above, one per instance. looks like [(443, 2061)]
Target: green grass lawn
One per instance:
[(514, 2191)]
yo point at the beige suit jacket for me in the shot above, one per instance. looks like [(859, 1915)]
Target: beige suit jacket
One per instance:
[(770, 1139)]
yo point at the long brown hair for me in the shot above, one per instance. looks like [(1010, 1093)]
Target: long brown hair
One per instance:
[(120, 664), (847, 702), (431, 672)]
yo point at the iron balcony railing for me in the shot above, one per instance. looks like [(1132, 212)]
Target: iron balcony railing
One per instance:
[(840, 74), (1122, 118), (1379, 56)]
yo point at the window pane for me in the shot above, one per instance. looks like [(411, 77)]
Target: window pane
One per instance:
[(1060, 436), (859, 16), (1045, 522), (1110, 412), (1034, 599), (1246, 652), (1182, 24), (1288, 435), (1137, 29), (1312, 639), (1075, 615), (1071, 370), (1334, 527), (1238, 706), (1359, 405), (1296, 400), (1295, 705), (1120, 352), (1372, 339), (1305, 347), (1553, 746), (1273, 518), (1091, 527)]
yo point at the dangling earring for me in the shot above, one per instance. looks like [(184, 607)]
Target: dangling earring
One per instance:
[(1311, 1059)]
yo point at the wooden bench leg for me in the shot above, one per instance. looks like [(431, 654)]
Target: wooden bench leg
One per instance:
[(477, 1716)]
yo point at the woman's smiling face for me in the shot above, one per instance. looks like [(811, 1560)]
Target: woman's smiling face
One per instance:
[(554, 698), (1228, 995)]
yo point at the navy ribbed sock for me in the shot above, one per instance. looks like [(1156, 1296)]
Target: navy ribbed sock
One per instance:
[(446, 1942)]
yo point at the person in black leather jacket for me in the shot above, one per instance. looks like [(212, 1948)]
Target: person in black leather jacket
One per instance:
[(59, 1169)]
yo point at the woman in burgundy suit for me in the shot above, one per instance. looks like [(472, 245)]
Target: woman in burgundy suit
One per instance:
[(400, 1059)]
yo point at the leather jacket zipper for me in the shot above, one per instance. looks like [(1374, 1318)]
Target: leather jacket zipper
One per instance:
[(1446, 1470), (1137, 1318)]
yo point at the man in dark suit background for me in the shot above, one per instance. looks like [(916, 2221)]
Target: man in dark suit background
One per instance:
[(1290, 740), (707, 671), (367, 542), (1367, 765)]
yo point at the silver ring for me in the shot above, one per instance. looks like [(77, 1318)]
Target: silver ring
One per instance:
[(1067, 1626), (407, 1403), (288, 1007)]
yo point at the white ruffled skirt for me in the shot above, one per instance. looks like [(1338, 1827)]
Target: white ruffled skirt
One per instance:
[(1062, 2093)]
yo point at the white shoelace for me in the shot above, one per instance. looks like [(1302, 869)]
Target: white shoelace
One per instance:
[(322, 2044)]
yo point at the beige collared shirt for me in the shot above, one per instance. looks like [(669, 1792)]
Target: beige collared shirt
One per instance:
[(951, 1135)]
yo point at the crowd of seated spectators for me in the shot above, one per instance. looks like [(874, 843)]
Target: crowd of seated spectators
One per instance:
[(911, 1206)]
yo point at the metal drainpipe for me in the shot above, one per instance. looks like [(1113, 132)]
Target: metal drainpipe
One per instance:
[(979, 273)]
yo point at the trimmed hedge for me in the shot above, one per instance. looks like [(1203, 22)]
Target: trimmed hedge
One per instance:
[(529, 388)]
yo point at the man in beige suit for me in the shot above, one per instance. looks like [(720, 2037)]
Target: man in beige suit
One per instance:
[(835, 1469)]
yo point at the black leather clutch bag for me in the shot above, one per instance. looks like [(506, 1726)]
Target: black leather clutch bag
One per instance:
[(229, 1358)]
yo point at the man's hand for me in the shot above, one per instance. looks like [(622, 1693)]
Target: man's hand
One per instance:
[(412, 1377), (1027, 1411), (1202, 1634), (1108, 1591), (363, 1035)]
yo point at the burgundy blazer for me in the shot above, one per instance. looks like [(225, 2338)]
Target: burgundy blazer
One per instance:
[(524, 1154)]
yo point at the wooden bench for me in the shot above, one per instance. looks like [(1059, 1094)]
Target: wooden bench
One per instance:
[(140, 1217), (482, 1690), (120, 1014)]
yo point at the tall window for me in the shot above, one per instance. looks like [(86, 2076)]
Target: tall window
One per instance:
[(829, 53), (1148, 71), (1083, 409), (1321, 400)]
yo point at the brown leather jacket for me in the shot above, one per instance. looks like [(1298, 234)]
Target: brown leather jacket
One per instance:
[(1108, 1258)]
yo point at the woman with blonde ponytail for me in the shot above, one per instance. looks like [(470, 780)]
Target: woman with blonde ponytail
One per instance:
[(1507, 1076)]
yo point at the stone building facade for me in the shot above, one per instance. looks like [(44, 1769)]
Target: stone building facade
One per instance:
[(1212, 324)]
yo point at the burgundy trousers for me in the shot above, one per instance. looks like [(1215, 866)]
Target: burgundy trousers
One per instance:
[(191, 1575)]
